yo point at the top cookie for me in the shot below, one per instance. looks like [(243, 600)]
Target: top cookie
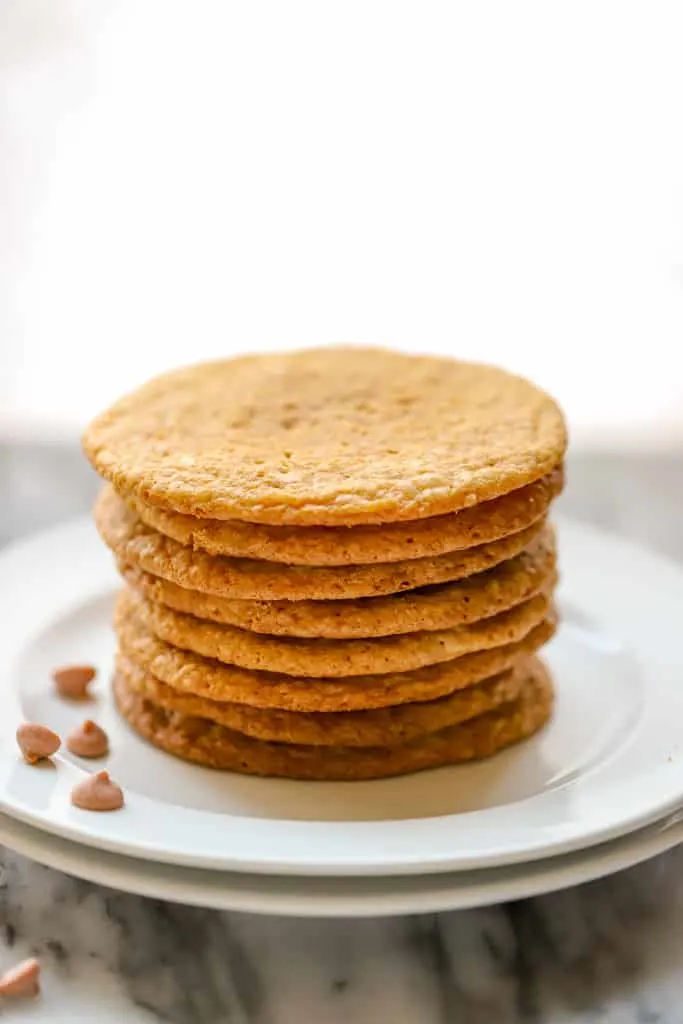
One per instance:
[(328, 437)]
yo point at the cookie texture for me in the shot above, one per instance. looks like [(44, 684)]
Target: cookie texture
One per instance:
[(206, 677), (443, 606), (208, 743), (333, 658), (327, 437), (381, 727), (359, 545), (136, 544)]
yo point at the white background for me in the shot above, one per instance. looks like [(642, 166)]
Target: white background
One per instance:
[(502, 181)]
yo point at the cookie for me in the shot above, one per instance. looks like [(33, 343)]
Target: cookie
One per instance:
[(333, 658), (215, 746), (136, 544), (327, 437), (205, 677), (443, 606), (359, 545), (381, 727)]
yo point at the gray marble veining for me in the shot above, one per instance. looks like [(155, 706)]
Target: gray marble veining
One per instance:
[(608, 952)]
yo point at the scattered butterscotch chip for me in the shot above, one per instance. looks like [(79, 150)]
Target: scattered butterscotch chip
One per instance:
[(37, 742), (73, 681), (88, 740), (21, 981), (97, 793)]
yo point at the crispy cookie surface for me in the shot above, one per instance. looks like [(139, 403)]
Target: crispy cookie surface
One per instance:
[(442, 606), (139, 545), (380, 727), (334, 658), (206, 677), (331, 437), (207, 743), (359, 545)]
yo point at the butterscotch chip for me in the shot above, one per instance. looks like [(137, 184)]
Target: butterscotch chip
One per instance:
[(381, 727), (88, 740), (21, 981), (331, 437), (443, 606), (359, 545), (37, 742), (213, 745), (334, 658), (73, 681), (97, 793), (136, 544), (204, 677)]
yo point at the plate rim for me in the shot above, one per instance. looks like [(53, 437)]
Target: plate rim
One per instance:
[(350, 897)]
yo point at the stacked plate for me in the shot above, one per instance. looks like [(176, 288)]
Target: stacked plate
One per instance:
[(597, 790)]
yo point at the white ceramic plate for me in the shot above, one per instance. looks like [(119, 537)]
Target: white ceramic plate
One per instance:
[(290, 896), (611, 761)]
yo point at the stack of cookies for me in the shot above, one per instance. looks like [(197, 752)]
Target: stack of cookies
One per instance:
[(337, 562)]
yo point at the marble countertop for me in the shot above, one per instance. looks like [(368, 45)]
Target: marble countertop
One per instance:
[(610, 951)]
